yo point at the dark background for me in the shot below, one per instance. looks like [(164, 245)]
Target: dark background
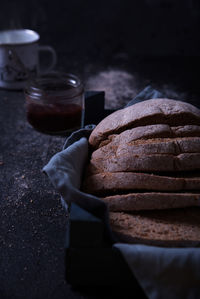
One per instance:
[(156, 41), (112, 32), (85, 28)]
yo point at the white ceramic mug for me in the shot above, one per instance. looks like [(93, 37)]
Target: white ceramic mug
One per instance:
[(19, 57)]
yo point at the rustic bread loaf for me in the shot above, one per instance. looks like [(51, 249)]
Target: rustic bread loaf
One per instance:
[(144, 166), (154, 111), (151, 131), (174, 146), (170, 228), (151, 201), (111, 183), (145, 163), (147, 155)]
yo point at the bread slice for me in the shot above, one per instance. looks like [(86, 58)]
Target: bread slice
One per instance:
[(111, 183), (154, 111), (151, 201), (170, 228), (151, 131), (145, 163), (173, 146)]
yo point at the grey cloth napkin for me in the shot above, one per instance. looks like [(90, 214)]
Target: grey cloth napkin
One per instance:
[(161, 272), (65, 170), (164, 272)]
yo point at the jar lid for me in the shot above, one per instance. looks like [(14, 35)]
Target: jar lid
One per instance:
[(55, 83)]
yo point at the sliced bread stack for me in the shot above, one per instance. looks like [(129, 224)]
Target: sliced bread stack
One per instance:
[(145, 165)]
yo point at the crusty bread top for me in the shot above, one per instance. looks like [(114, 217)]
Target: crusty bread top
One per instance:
[(111, 183), (147, 155), (172, 146), (146, 163), (154, 111), (152, 131), (179, 227), (151, 201)]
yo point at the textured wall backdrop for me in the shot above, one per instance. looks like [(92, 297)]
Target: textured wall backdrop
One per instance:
[(89, 35), (97, 28)]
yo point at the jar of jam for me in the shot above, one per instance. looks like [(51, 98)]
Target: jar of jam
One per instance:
[(55, 103)]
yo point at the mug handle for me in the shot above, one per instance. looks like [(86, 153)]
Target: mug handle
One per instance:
[(53, 59)]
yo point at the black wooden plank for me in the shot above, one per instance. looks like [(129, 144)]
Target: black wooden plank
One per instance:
[(89, 260), (96, 266), (83, 229)]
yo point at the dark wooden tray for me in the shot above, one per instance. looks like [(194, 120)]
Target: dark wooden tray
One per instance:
[(90, 260)]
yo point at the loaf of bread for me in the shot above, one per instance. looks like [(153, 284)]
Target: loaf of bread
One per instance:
[(151, 201), (159, 154), (152, 131), (154, 111), (169, 228), (102, 184), (146, 159)]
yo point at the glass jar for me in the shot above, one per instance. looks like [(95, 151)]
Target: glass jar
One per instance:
[(55, 103)]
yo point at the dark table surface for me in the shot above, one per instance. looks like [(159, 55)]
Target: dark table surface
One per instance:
[(32, 221)]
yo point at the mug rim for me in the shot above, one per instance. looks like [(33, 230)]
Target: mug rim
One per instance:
[(29, 31)]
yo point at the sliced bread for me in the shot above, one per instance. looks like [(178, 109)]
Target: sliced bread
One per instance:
[(111, 183), (170, 228), (145, 163), (154, 111), (173, 146), (151, 201), (151, 131)]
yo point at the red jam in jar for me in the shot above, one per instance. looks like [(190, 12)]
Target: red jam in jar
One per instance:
[(55, 103)]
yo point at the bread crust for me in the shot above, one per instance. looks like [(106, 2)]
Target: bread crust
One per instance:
[(151, 201), (153, 111), (173, 146), (151, 131), (133, 150), (108, 182), (146, 163), (170, 228)]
